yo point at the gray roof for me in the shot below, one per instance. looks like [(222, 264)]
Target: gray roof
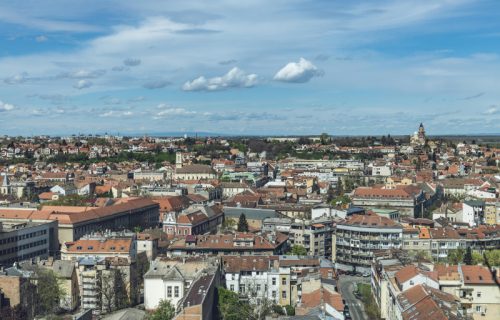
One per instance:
[(63, 268), (250, 213)]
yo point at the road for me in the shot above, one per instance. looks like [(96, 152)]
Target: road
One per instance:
[(346, 285)]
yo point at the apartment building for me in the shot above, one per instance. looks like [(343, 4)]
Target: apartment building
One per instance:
[(276, 279), (239, 243), (477, 287), (359, 236), (171, 279), (315, 236)]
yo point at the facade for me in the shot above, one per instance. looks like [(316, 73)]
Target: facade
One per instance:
[(74, 222), (26, 240), (230, 244), (478, 290), (125, 248), (408, 199), (195, 172), (170, 279), (195, 220), (315, 236), (472, 213), (358, 237)]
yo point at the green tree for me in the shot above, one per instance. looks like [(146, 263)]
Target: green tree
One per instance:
[(242, 223), (165, 311), (456, 256), (477, 258), (324, 138), (230, 307), (468, 256), (49, 292), (492, 258), (298, 250)]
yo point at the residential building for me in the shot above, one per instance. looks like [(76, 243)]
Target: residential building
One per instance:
[(360, 235), (171, 279), (239, 243)]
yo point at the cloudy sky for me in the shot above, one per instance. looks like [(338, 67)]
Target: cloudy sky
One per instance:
[(249, 67)]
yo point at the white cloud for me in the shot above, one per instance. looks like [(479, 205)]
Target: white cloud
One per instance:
[(297, 72), (235, 78), (18, 78), (492, 110), (83, 74), (82, 84), (41, 38), (6, 106), (168, 111)]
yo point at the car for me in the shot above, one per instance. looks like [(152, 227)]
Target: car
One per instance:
[(347, 314)]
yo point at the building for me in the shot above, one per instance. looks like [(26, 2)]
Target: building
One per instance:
[(195, 172), (359, 236), (230, 244), (74, 222), (315, 236), (477, 287), (278, 279), (68, 280), (125, 248), (26, 240), (195, 220), (472, 212), (408, 199), (200, 301), (17, 290), (171, 279)]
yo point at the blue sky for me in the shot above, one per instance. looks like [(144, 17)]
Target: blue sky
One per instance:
[(250, 67)]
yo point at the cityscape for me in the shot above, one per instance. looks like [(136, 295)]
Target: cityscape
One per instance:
[(249, 160)]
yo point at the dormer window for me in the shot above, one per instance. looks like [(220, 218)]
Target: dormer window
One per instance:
[(112, 248), (90, 248), (79, 248)]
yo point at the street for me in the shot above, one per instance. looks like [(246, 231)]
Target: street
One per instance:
[(346, 285)]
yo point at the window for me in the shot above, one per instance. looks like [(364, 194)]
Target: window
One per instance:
[(479, 294), (169, 292), (411, 282), (274, 294), (176, 292), (242, 288), (231, 287), (258, 287), (478, 308), (274, 281), (283, 294), (283, 281)]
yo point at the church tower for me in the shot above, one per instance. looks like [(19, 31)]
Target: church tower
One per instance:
[(421, 134)]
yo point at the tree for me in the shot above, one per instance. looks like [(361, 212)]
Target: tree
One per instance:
[(242, 223), (492, 258), (298, 250), (455, 256), (230, 308), (165, 311), (468, 257), (324, 138), (49, 292), (113, 290)]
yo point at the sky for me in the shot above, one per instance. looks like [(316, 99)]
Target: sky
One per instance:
[(281, 67)]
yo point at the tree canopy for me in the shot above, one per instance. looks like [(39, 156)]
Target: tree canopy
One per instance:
[(165, 311), (242, 223)]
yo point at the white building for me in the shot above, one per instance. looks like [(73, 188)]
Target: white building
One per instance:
[(171, 279)]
